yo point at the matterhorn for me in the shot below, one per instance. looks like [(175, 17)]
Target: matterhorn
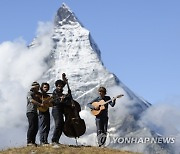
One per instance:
[(75, 53)]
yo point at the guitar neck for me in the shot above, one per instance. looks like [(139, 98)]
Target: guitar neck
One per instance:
[(108, 101)]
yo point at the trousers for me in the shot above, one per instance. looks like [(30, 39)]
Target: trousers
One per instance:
[(33, 127), (44, 126), (58, 124), (101, 125)]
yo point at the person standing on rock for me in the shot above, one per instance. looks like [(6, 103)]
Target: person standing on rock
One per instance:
[(58, 111), (102, 116), (33, 101), (44, 115)]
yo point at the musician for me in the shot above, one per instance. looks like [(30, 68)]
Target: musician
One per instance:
[(44, 117), (33, 101), (58, 110), (102, 118)]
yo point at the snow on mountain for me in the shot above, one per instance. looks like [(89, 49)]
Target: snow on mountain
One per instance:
[(75, 53)]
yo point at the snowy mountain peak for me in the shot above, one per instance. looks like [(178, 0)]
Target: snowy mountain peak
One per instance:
[(65, 16)]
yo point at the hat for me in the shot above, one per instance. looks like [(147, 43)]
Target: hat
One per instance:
[(35, 84)]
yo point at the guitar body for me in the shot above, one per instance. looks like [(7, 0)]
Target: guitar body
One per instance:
[(101, 106), (97, 104), (44, 108), (47, 103)]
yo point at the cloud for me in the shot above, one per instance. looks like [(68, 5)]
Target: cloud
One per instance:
[(164, 118)]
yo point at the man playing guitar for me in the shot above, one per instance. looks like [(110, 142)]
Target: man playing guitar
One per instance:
[(44, 115), (102, 116)]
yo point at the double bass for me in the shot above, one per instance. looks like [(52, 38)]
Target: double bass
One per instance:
[(74, 126)]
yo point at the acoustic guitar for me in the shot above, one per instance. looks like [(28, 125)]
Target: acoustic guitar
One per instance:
[(47, 103), (100, 105)]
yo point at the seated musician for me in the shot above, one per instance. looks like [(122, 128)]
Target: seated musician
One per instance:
[(102, 118), (44, 115), (33, 101)]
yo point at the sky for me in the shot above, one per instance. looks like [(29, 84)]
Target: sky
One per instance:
[(139, 40)]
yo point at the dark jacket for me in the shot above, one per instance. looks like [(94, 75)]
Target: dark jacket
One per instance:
[(57, 104)]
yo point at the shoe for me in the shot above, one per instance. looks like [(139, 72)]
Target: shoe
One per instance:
[(44, 144), (32, 144), (55, 144)]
